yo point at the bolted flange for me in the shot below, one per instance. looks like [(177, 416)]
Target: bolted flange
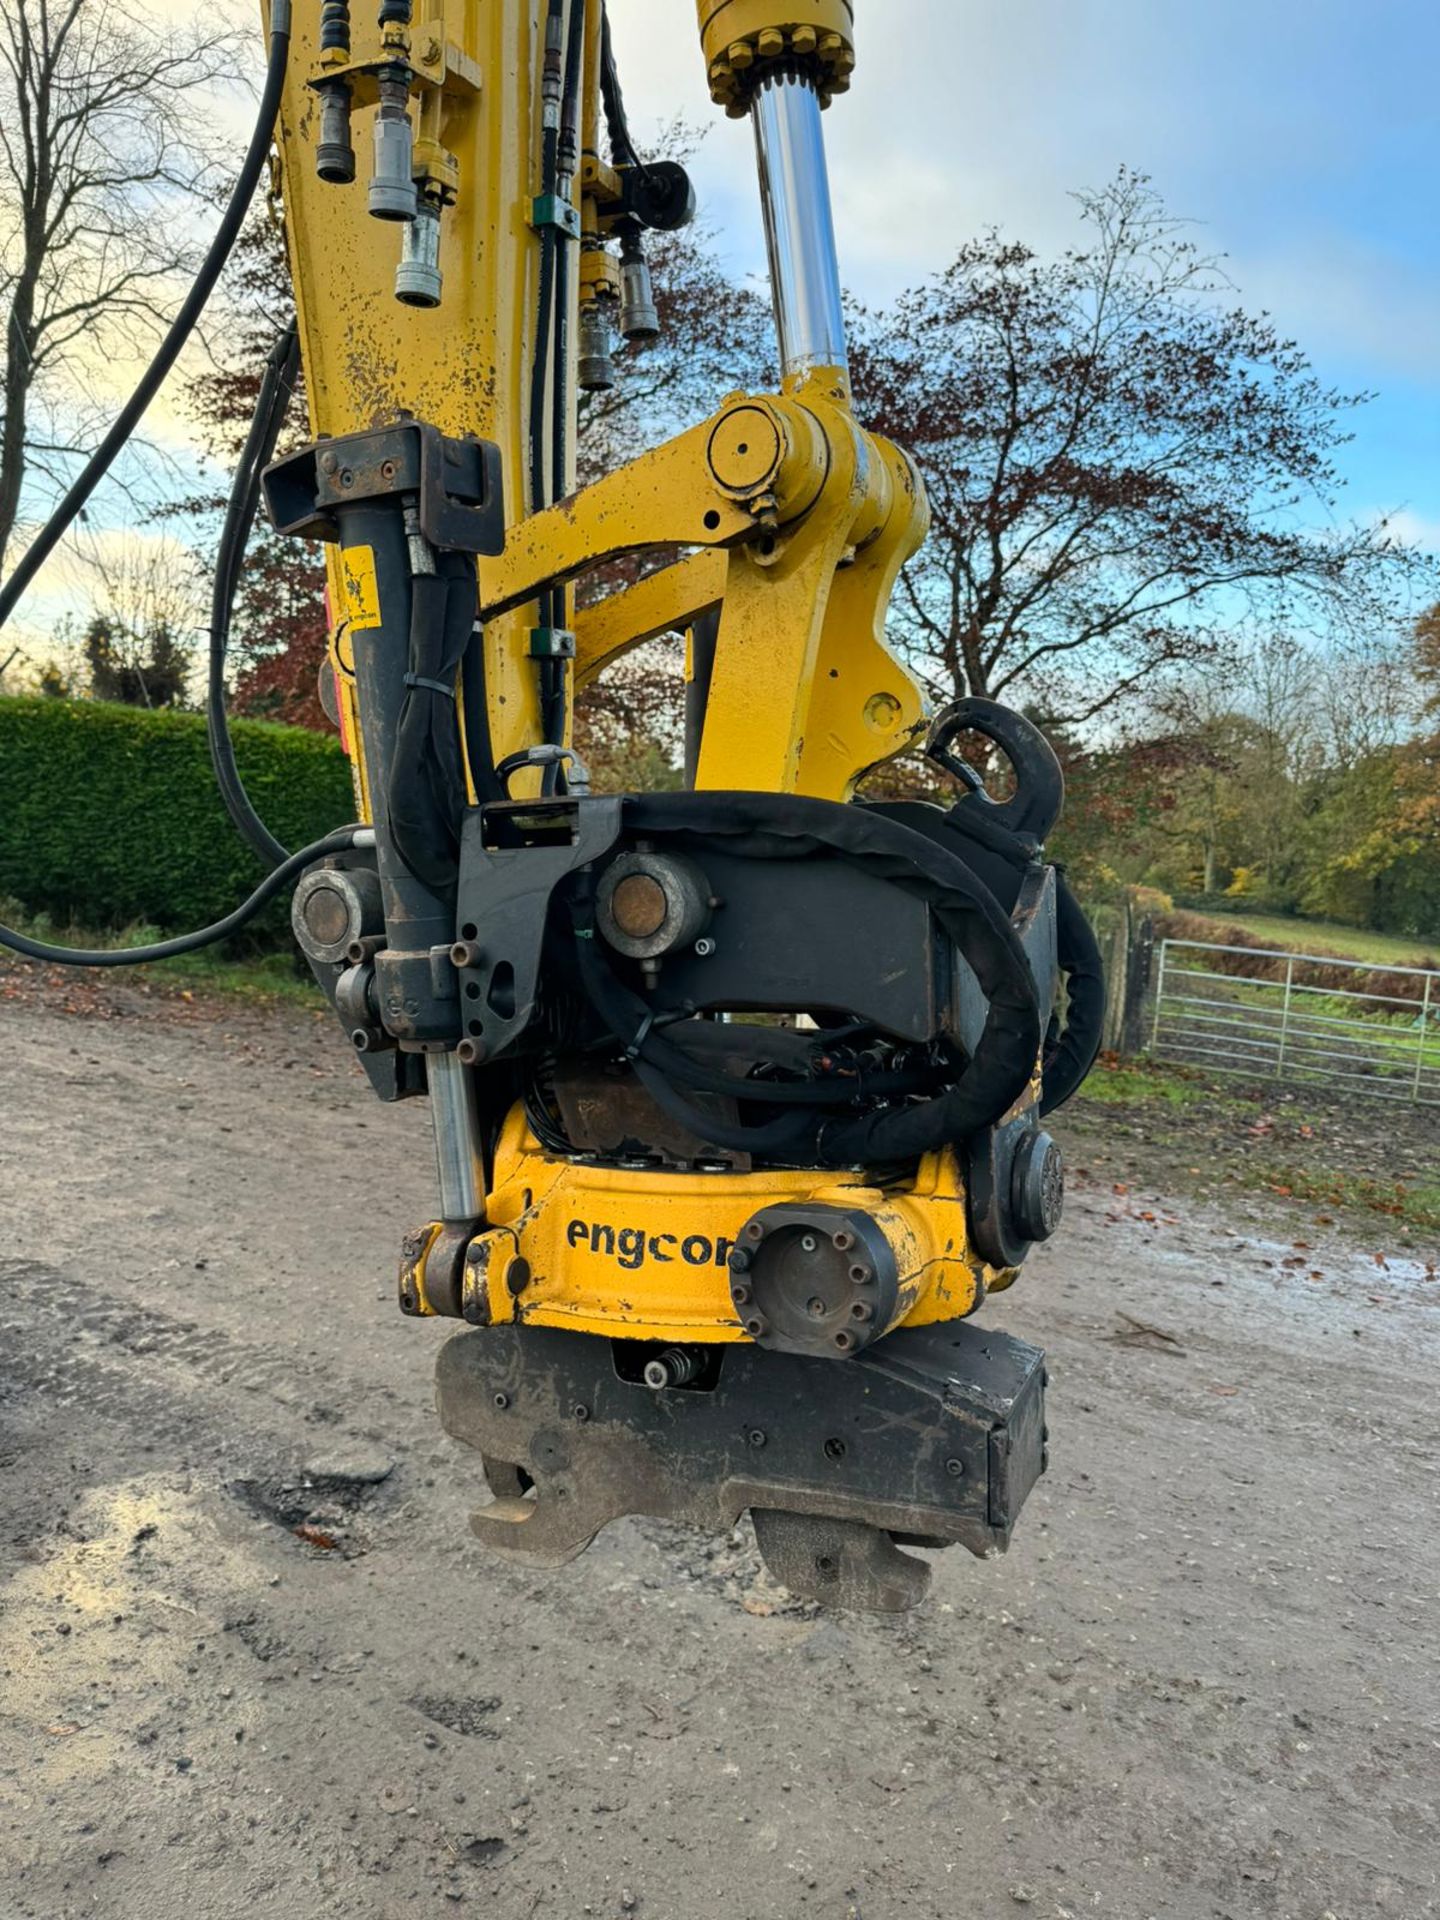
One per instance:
[(814, 1279)]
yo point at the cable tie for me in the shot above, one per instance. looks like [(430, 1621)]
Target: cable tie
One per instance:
[(434, 686), (642, 1032)]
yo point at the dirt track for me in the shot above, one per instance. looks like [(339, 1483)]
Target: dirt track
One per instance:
[(1201, 1687)]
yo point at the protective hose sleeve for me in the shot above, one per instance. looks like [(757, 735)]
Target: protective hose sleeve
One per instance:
[(1073, 1055), (181, 326), (1070, 1059), (764, 825), (337, 842)]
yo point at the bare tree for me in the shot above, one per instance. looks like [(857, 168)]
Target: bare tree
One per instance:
[(137, 644), (1126, 472), (107, 148)]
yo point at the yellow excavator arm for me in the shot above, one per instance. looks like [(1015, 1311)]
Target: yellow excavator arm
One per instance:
[(736, 1091)]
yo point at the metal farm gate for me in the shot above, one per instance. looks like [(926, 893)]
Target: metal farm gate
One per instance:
[(1271, 1015)]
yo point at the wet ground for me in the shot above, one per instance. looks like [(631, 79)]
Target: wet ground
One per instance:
[(251, 1661)]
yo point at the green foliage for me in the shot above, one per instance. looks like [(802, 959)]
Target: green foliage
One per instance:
[(1216, 921), (1140, 1081), (111, 815)]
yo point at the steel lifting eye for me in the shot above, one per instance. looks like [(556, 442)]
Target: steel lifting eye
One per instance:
[(1039, 794)]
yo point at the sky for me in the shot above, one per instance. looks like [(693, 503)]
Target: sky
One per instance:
[(1302, 136)]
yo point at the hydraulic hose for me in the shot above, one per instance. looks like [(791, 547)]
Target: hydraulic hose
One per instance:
[(276, 388), (181, 326), (781, 827), (340, 841), (617, 124)]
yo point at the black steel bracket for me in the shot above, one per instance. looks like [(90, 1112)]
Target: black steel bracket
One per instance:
[(457, 483)]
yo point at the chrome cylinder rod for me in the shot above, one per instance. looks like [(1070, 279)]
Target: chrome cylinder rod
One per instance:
[(455, 1119), (799, 228)]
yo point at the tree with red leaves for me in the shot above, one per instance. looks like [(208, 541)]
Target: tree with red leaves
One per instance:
[(1125, 472)]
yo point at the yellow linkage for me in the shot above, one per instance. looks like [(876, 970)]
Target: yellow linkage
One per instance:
[(816, 518)]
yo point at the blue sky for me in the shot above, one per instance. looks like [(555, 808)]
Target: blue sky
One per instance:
[(1302, 135)]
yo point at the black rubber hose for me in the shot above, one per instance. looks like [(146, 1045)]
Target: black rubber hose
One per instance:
[(479, 748), (181, 327), (1067, 1063), (629, 1019), (791, 1133), (426, 795), (774, 826), (338, 842), (271, 404), (617, 124)]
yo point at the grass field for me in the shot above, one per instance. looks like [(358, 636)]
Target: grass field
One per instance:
[(1363, 1158), (260, 977), (1325, 936)]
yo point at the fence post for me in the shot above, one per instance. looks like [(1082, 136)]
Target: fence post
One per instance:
[(1137, 984), (1424, 1032), (1285, 1017), (1117, 965), (1159, 996)]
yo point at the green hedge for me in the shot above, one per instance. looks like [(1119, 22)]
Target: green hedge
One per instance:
[(110, 814)]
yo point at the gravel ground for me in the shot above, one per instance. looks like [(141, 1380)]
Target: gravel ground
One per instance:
[(1201, 1686)]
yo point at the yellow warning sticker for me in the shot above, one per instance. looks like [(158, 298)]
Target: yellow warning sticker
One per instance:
[(360, 587)]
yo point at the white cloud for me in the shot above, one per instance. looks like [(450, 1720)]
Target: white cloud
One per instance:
[(1410, 528)]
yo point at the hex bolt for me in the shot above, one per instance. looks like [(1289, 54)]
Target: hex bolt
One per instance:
[(705, 946), (739, 1256)]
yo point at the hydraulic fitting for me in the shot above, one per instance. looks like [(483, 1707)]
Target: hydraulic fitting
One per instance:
[(335, 156), (392, 186), (638, 318), (417, 278), (596, 371)]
